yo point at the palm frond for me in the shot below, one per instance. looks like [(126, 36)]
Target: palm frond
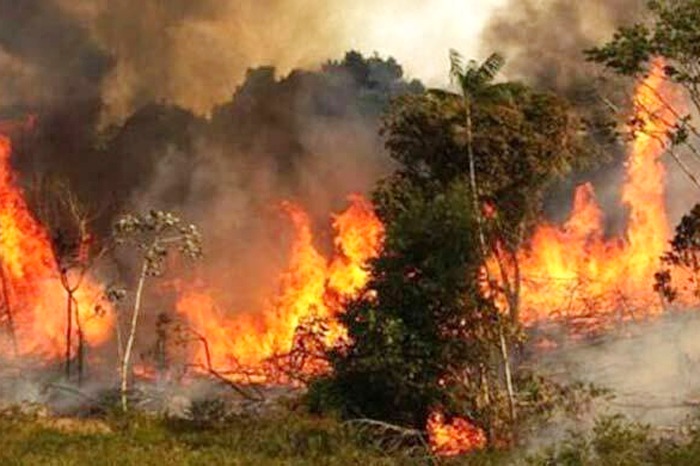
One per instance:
[(456, 65), (490, 68)]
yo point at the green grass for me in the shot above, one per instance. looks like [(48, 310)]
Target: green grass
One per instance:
[(290, 438), (287, 439)]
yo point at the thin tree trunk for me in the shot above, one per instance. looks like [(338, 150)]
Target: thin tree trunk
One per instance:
[(8, 311), (81, 341), (69, 330), (506, 367), (132, 335), (484, 248), (486, 395), (472, 175)]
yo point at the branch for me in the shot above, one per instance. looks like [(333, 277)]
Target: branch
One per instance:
[(218, 375)]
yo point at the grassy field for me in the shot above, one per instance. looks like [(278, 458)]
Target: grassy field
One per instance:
[(287, 439), (292, 438)]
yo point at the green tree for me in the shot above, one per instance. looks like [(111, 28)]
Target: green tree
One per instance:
[(422, 335), (426, 334), (520, 144)]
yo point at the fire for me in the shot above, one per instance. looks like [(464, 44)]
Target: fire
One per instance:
[(310, 290), (573, 271), (457, 437), (359, 238), (34, 301)]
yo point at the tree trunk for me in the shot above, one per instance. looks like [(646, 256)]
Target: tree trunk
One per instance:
[(472, 175), (8, 311), (69, 330), (81, 341), (506, 367), (126, 359), (484, 248)]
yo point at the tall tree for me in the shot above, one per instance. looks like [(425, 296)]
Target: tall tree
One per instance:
[(424, 333), (476, 86), (521, 142)]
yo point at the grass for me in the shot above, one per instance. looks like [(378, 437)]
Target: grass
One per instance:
[(292, 438), (282, 439)]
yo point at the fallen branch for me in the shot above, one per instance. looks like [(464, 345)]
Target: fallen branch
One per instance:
[(403, 433), (219, 375)]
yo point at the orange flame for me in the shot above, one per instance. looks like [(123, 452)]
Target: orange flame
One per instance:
[(457, 437), (573, 271), (311, 288), (32, 295)]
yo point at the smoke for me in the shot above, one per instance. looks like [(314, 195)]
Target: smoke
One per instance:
[(544, 40), (194, 54), (47, 57), (651, 368)]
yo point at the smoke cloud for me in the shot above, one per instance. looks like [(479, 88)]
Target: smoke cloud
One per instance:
[(544, 40)]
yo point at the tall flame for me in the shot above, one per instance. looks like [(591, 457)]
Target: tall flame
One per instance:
[(310, 289), (33, 299), (573, 271)]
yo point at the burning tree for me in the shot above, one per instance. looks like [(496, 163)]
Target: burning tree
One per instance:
[(69, 221), (154, 235)]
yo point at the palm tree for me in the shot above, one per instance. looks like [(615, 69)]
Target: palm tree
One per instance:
[(476, 86)]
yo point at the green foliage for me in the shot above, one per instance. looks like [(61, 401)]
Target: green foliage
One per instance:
[(421, 334), (521, 145), (684, 257), (673, 33), (475, 78), (614, 441)]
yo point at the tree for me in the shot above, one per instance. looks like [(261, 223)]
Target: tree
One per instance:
[(476, 85), (427, 331), (154, 235), (421, 335), (682, 260), (69, 221), (520, 146)]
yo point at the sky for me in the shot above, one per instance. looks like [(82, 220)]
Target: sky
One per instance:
[(419, 36)]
